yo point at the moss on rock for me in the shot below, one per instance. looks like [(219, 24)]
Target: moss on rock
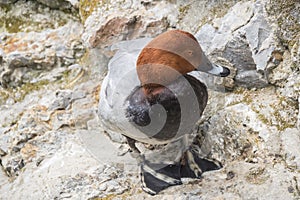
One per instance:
[(286, 13), (86, 7), (27, 16), (271, 108)]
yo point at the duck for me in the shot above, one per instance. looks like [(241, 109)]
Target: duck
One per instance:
[(150, 97)]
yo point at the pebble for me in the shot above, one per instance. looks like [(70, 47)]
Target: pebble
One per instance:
[(2, 152)]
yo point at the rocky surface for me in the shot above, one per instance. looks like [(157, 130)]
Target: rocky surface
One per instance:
[(27, 53), (27, 16), (245, 39), (52, 144), (126, 20)]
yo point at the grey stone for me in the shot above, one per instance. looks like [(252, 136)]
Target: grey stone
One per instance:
[(83, 112), (2, 152), (36, 52), (56, 4), (5, 2), (286, 74), (290, 140), (63, 100), (257, 117), (298, 123), (245, 38), (123, 21), (27, 16)]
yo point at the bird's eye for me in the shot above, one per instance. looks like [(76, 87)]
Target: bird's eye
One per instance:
[(190, 52)]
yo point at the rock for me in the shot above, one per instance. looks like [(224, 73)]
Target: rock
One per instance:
[(5, 2), (83, 111), (298, 124), (62, 119), (118, 20), (60, 165), (75, 3), (286, 17), (246, 41), (205, 11), (28, 152), (109, 184), (248, 126), (63, 100), (97, 143), (2, 152), (13, 167), (258, 178), (84, 102), (25, 54), (287, 75), (290, 140), (96, 62), (57, 4), (257, 175), (27, 16)]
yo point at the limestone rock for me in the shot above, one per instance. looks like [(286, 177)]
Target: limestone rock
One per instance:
[(205, 11), (298, 124), (25, 54), (286, 17), (287, 75), (26, 16), (249, 125), (245, 39), (291, 139), (58, 4), (118, 20), (5, 2)]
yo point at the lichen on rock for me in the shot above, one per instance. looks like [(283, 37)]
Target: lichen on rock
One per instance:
[(25, 54), (26, 16)]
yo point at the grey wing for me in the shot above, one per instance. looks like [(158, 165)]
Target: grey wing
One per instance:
[(120, 80)]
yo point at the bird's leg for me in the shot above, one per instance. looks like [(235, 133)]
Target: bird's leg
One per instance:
[(131, 143), (135, 152), (165, 167), (159, 169)]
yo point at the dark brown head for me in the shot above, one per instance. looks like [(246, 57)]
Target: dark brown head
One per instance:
[(168, 56), (172, 54)]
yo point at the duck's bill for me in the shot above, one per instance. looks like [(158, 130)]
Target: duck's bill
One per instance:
[(218, 70), (211, 68)]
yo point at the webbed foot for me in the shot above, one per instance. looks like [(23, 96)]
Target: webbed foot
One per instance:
[(157, 177), (192, 165)]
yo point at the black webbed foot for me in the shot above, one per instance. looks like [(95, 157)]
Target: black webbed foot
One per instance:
[(157, 177), (192, 165)]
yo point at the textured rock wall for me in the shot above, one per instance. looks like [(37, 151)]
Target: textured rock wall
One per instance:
[(54, 54)]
